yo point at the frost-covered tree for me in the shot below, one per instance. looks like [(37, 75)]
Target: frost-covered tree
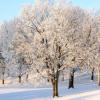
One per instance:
[(2, 67), (57, 41), (50, 37), (21, 56), (22, 66), (7, 33), (97, 46)]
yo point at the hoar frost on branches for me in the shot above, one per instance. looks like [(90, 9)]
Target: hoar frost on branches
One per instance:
[(50, 38)]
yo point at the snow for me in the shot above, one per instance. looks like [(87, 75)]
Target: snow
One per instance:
[(89, 91)]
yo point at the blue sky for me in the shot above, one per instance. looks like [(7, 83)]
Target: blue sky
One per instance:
[(11, 8), (87, 3)]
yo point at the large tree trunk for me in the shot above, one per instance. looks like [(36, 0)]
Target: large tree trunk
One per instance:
[(92, 74), (71, 79), (99, 77), (55, 87), (19, 77), (55, 84)]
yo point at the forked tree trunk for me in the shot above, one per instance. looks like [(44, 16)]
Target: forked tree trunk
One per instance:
[(71, 80), (98, 77), (55, 87), (19, 77), (92, 74)]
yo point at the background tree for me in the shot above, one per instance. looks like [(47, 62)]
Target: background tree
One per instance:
[(2, 67)]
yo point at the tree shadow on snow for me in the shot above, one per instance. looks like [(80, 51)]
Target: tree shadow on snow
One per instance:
[(34, 94), (64, 91), (27, 95)]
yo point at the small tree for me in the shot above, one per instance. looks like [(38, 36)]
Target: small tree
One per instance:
[(2, 67), (24, 64)]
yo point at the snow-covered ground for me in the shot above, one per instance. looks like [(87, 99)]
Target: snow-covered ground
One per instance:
[(88, 91)]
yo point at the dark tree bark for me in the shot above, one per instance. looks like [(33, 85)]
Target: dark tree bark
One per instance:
[(71, 79), (92, 74), (47, 80), (3, 81), (20, 80), (55, 85)]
